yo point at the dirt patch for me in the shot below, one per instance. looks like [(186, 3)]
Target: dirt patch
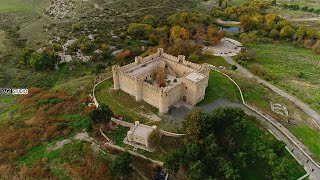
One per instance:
[(82, 136), (151, 116)]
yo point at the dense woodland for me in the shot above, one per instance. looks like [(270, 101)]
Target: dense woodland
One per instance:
[(223, 143)]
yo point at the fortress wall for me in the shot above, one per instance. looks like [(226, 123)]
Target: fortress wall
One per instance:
[(175, 93), (150, 57), (170, 57), (148, 74), (127, 83), (128, 66), (201, 89), (191, 91), (192, 65), (179, 69), (151, 95)]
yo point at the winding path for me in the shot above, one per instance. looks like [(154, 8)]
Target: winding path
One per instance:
[(315, 116), (293, 145)]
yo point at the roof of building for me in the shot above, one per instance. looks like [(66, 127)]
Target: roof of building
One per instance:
[(142, 130), (195, 77)]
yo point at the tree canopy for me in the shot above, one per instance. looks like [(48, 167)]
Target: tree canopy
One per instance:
[(221, 143), (102, 114), (121, 166)]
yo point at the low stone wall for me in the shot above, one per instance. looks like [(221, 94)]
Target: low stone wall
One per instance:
[(127, 124), (96, 103), (122, 123), (170, 134)]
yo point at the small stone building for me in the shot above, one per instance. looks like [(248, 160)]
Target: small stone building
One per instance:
[(139, 134), (184, 82)]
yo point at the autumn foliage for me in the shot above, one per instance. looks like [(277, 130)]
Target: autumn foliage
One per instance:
[(160, 77), (123, 55), (214, 35)]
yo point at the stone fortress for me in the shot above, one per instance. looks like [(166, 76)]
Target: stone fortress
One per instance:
[(185, 82)]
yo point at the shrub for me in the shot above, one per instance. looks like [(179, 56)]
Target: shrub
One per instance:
[(247, 55), (316, 47), (193, 57), (140, 30), (274, 34), (311, 10), (75, 27), (287, 32), (123, 55), (151, 20), (99, 68), (42, 62), (301, 75), (102, 114), (249, 37), (234, 67), (154, 138), (257, 69), (305, 8), (121, 166)]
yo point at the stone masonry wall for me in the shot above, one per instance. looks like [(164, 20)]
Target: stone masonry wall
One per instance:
[(151, 94), (179, 69), (175, 94), (127, 83)]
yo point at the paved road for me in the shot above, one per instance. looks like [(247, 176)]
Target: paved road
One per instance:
[(303, 106)]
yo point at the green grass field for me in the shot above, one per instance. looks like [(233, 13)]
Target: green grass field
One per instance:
[(301, 3), (310, 3), (214, 60), (309, 137), (121, 103), (18, 5), (285, 63), (220, 87), (261, 97)]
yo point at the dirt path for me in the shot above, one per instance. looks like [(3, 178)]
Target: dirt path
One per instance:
[(220, 21), (304, 19)]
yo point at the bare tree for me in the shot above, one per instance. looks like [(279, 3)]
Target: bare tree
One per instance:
[(160, 76)]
